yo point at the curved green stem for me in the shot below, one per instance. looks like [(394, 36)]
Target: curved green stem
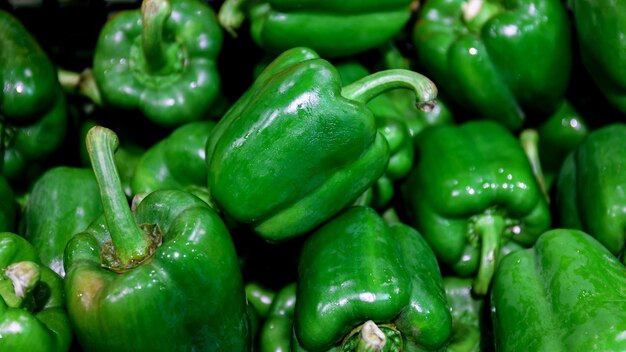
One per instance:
[(231, 15), (154, 13), (477, 12), (489, 228), (530, 141), (368, 87), (24, 277), (130, 243)]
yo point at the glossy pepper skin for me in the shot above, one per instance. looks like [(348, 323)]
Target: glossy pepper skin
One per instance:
[(600, 27), (176, 162), (33, 120), (63, 201), (572, 290), (356, 269), (297, 148), (472, 191), (277, 331), (32, 303), (160, 60), (499, 60), (467, 310), (164, 277), (331, 28), (8, 206), (589, 195)]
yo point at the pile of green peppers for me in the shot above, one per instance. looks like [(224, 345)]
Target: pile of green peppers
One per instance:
[(313, 175)]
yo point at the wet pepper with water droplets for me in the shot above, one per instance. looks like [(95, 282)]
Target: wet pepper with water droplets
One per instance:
[(362, 282), (570, 287), (162, 277), (471, 192), (298, 147), (160, 60)]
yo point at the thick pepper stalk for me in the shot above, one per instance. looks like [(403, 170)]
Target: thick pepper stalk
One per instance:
[(163, 277), (298, 147)]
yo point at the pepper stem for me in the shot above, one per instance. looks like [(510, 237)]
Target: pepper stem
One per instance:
[(370, 337), (477, 12), (82, 83), (529, 139), (24, 277), (130, 243), (489, 227), (154, 13), (231, 15), (368, 87)]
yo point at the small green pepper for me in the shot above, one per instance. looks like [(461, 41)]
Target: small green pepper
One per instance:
[(297, 148), (32, 303), (160, 60)]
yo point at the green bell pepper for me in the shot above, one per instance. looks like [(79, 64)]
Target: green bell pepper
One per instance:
[(33, 116), (32, 303), (472, 191), (63, 201), (8, 206), (297, 148), (499, 60), (363, 282), (276, 332), (331, 28), (565, 294), (560, 134), (590, 184), (164, 277), (600, 27), (260, 298), (467, 311), (176, 162), (161, 60)]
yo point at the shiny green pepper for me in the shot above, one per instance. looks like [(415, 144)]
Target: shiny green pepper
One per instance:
[(298, 147), (162, 277), (364, 282)]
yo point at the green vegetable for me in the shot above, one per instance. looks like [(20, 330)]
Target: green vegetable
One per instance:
[(260, 298), (164, 277), (161, 60), (499, 60), (600, 27), (565, 294), (176, 162), (590, 184), (32, 313), (63, 201), (467, 310), (276, 332), (33, 118), (331, 28), (363, 282), (472, 191), (297, 148)]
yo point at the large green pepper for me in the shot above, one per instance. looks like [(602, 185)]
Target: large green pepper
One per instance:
[(160, 60), (176, 162), (32, 304), (363, 282), (332, 28), (63, 201), (471, 191), (600, 27), (297, 148), (8, 206), (500, 60), (565, 294), (164, 277), (590, 187), (33, 117)]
